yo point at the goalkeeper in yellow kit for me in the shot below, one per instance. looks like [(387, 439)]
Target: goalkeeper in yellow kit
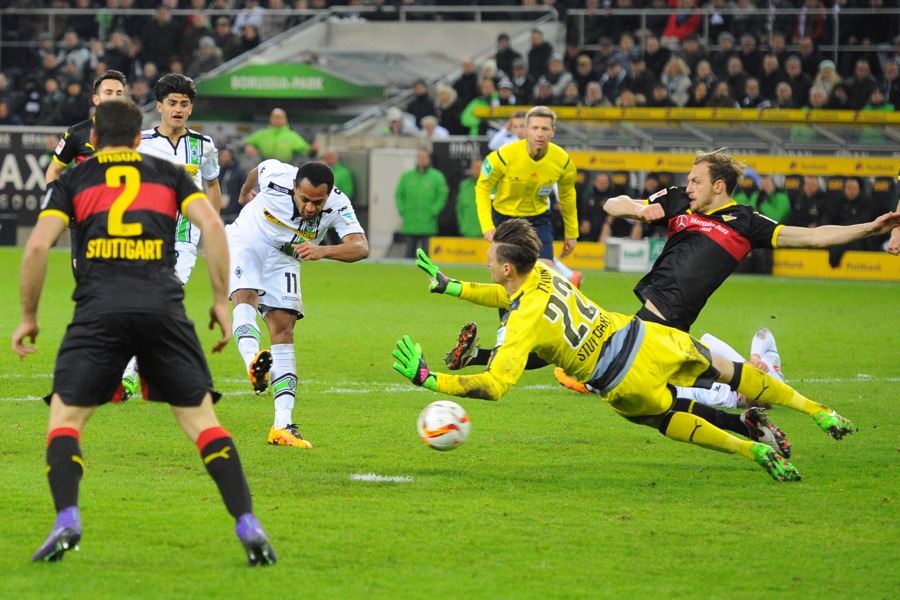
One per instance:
[(631, 364)]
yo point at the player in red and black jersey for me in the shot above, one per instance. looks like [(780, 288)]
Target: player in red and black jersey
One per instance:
[(124, 205), (709, 234), (75, 145), (701, 252)]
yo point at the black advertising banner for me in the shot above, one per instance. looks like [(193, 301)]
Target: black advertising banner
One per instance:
[(24, 155), (452, 158)]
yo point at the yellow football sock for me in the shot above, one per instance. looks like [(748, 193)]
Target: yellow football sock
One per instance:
[(689, 428), (760, 387)]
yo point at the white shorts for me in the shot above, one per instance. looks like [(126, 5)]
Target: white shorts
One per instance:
[(257, 266), (185, 260)]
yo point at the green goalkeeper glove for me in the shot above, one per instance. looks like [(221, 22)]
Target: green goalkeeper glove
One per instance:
[(412, 364), (440, 283)]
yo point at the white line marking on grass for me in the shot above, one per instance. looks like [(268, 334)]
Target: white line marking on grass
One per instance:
[(409, 389), (859, 378), (376, 478), (361, 387)]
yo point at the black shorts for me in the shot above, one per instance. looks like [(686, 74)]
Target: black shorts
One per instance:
[(543, 226), (94, 353)]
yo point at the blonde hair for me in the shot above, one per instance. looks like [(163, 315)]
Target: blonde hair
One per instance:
[(722, 166), (541, 111)]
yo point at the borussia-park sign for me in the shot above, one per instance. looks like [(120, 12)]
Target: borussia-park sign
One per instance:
[(284, 80)]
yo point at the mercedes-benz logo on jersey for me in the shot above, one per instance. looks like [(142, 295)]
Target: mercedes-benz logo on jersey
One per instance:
[(681, 222), (238, 272)]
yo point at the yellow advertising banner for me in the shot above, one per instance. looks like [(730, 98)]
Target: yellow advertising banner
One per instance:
[(727, 115), (868, 266), (775, 165), (587, 255), (864, 266)]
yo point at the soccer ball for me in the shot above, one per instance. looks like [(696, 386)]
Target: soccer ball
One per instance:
[(444, 425)]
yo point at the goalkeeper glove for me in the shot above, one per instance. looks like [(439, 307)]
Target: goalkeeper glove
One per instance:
[(440, 283), (412, 364)]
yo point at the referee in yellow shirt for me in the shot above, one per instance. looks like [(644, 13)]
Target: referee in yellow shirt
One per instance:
[(524, 174)]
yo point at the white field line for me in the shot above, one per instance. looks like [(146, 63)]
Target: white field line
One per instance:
[(360, 387), (376, 478)]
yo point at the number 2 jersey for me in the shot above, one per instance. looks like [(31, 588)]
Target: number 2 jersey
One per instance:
[(124, 205), (560, 324), (701, 252), (195, 153), (273, 218)]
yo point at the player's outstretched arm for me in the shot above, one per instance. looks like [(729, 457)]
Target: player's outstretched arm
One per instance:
[(353, 247), (835, 235), (623, 206), (411, 364), (893, 246), (440, 283), (215, 247), (247, 193), (31, 279)]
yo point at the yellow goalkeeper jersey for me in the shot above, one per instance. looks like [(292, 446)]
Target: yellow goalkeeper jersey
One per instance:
[(550, 317), (523, 185)]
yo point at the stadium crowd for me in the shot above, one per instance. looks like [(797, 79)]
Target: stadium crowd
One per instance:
[(756, 59)]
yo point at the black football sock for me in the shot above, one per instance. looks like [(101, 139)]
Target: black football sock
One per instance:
[(65, 466), (224, 465), (721, 419), (535, 362), (480, 357)]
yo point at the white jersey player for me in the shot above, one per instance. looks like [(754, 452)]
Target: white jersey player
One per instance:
[(174, 142), (762, 350), (282, 226)]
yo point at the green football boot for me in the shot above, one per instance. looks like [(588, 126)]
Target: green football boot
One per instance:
[(834, 424), (777, 467)]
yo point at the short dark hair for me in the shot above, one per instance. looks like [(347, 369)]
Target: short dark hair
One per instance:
[(117, 123), (111, 74), (517, 243), (174, 83), (316, 173)]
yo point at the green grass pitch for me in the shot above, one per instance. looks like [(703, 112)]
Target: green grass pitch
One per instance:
[(553, 495)]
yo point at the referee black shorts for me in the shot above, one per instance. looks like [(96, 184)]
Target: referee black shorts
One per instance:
[(543, 226), (94, 352)]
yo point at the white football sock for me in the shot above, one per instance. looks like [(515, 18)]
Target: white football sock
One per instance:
[(131, 369), (719, 347), (763, 344), (720, 395), (284, 383), (245, 331), (562, 269)]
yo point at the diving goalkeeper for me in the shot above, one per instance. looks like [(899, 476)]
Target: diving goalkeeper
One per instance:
[(629, 363)]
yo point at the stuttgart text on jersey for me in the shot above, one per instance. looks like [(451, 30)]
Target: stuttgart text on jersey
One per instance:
[(122, 192)]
